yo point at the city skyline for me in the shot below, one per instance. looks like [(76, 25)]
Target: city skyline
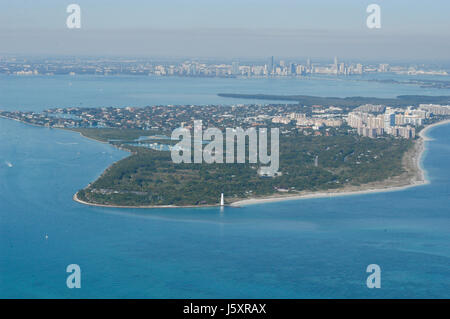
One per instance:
[(271, 66)]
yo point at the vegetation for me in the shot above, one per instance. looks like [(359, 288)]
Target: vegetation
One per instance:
[(149, 177), (108, 134), (400, 101)]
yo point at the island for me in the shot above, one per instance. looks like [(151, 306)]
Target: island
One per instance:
[(337, 147)]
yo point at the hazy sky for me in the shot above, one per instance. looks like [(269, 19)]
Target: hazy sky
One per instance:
[(410, 29)]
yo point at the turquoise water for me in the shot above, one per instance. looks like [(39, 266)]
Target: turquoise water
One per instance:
[(314, 248)]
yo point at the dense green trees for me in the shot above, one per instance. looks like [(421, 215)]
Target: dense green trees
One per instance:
[(149, 177)]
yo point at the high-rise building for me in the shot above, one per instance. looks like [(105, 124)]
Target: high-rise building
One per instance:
[(271, 65), (359, 68), (293, 69), (342, 69), (389, 120), (235, 68)]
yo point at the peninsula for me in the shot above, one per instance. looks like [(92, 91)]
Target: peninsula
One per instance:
[(325, 150)]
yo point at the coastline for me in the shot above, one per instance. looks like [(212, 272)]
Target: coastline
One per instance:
[(415, 176), (76, 199), (428, 127)]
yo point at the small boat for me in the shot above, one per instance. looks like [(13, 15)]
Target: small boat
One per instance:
[(8, 164)]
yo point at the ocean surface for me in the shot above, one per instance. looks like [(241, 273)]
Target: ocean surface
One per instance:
[(311, 248)]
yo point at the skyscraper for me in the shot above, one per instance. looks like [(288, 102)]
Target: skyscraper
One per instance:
[(271, 65), (389, 120), (293, 68), (336, 70), (235, 68)]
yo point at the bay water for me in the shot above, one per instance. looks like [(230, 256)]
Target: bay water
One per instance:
[(310, 248)]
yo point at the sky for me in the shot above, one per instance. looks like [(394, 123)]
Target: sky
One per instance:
[(410, 29)]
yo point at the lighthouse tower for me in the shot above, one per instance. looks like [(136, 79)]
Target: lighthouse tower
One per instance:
[(222, 203)]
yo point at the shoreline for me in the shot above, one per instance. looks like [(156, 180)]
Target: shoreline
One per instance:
[(415, 175), (76, 199), (428, 127), (417, 170)]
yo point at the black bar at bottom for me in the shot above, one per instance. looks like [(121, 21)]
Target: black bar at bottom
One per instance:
[(224, 308)]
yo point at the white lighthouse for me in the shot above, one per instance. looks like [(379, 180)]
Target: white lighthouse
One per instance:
[(222, 203)]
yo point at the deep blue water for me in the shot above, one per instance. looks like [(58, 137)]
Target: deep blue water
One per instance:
[(296, 249)]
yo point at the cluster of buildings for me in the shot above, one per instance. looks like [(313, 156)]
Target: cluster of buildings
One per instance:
[(271, 68), (368, 120), (308, 120), (315, 122), (435, 109), (376, 120), (158, 117), (194, 68)]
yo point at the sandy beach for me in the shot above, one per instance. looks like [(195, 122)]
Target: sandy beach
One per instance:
[(75, 198), (414, 176)]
